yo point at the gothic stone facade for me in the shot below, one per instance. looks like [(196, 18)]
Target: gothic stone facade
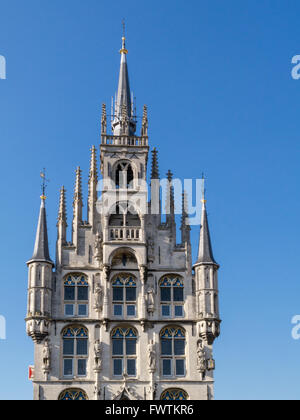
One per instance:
[(123, 313)]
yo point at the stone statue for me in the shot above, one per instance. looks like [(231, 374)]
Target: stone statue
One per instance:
[(106, 270), (98, 354), (98, 248), (150, 300), (143, 271), (201, 358), (98, 298), (46, 356), (151, 357)]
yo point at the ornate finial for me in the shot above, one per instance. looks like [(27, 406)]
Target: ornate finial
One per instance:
[(62, 213), (78, 187), (203, 189), (44, 184), (145, 122), (154, 171), (104, 120), (170, 176), (123, 50)]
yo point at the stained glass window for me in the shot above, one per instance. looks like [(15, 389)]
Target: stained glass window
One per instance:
[(124, 341), (73, 395), (171, 296), (174, 395), (76, 298), (172, 340), (75, 351), (124, 296)]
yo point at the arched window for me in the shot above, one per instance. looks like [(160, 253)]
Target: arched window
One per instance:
[(124, 340), (124, 175), (75, 351), (172, 297), (73, 395), (124, 295), (76, 298), (172, 341), (174, 395)]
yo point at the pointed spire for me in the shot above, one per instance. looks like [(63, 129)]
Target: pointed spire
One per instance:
[(170, 203), (185, 228), (144, 131), (41, 248), (104, 120), (205, 253), (123, 106), (78, 187), (154, 169), (93, 177), (62, 212)]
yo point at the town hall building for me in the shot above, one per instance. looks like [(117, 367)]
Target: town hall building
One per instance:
[(123, 313)]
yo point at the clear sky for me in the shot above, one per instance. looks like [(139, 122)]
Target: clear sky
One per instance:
[(216, 76)]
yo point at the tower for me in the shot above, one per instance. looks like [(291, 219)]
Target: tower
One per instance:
[(121, 314)]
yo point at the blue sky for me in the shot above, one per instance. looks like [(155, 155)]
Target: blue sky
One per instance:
[(216, 77)]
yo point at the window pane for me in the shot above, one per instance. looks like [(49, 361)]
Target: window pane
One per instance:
[(131, 367), (130, 310), (82, 367), (166, 347), (180, 367), (117, 347), (178, 294), (118, 294), (118, 368), (165, 294), (118, 310), (82, 310), (82, 347), (179, 311), (83, 293), (167, 364), (166, 310), (130, 347), (68, 367), (69, 310), (179, 347), (68, 346), (130, 294), (69, 293)]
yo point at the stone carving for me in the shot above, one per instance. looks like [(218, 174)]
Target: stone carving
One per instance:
[(143, 274), (151, 357), (98, 298), (98, 355), (98, 248), (151, 255), (150, 300), (201, 359), (106, 271), (46, 356)]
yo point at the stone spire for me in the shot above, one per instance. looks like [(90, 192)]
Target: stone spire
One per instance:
[(77, 207), (185, 228), (62, 217), (154, 169), (62, 212), (123, 115), (78, 189), (41, 248), (170, 206), (93, 181), (205, 253)]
